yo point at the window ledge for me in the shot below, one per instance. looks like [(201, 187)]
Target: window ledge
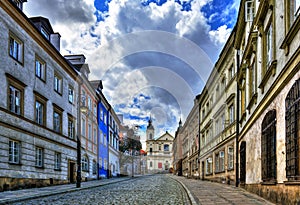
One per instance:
[(294, 182), (270, 71), (291, 35), (57, 170), (271, 182), (40, 167), (220, 172), (230, 169), (13, 163), (253, 101)]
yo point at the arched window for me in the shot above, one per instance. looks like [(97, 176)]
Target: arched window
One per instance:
[(292, 123), (85, 164), (268, 147)]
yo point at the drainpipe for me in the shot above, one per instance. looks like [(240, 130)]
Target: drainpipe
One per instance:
[(237, 180), (199, 138)]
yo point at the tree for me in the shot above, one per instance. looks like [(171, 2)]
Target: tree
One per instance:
[(129, 146)]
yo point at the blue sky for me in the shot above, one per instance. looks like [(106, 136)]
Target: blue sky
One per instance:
[(153, 56)]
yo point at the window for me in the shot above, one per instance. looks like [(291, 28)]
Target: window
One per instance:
[(230, 158), (57, 161), (57, 119), (40, 68), (104, 118), (105, 140), (14, 152), (249, 11), (268, 146), (159, 147), (57, 83), (296, 8), (39, 157), (231, 72), (45, 33), (269, 45), (85, 164), (90, 132), (95, 135), (209, 165), (39, 112), (15, 99), (94, 167), (83, 127), (105, 164), (252, 79), (16, 48), (71, 94), (100, 163), (71, 127), (231, 113), (89, 103), (101, 113), (292, 124), (166, 148), (95, 109), (151, 164)]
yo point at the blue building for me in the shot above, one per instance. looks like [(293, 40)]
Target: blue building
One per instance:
[(103, 138), (102, 119)]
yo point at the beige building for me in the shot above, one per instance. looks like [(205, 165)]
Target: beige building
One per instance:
[(217, 119), (268, 41), (159, 150), (189, 134)]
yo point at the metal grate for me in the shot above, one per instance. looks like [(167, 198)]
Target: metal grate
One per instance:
[(268, 146), (292, 132)]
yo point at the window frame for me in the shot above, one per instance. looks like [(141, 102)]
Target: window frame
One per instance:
[(57, 161), (71, 126), (17, 85), (42, 68), (14, 152), (59, 112), (39, 157), (85, 164), (71, 94), (58, 83), (230, 158), (43, 101), (15, 42)]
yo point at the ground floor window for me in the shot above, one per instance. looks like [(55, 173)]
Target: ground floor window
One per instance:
[(14, 152)]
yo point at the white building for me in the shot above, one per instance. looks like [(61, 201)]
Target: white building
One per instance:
[(159, 150)]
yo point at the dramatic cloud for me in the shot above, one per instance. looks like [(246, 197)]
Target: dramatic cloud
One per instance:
[(154, 56)]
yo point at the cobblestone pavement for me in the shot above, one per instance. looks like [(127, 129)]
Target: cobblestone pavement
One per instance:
[(154, 189), (210, 193)]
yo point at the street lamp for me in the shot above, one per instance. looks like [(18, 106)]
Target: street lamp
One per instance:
[(80, 108)]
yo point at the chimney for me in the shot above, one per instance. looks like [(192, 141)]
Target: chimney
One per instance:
[(55, 40)]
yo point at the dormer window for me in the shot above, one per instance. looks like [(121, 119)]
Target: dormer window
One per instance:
[(19, 3), (45, 33)]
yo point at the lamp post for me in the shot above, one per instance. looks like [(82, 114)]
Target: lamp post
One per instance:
[(80, 108)]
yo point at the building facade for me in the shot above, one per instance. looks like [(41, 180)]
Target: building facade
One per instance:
[(113, 143), (268, 41), (37, 107), (159, 150), (217, 107)]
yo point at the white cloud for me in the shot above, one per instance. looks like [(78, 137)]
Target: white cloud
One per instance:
[(128, 29), (220, 36)]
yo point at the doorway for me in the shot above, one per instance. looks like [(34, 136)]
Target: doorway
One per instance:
[(243, 162), (71, 172)]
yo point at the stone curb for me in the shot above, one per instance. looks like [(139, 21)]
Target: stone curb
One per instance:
[(190, 195), (60, 191)]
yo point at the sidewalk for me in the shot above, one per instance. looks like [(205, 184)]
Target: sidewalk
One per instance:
[(19, 195), (209, 193)]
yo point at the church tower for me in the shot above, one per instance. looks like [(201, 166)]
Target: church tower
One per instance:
[(150, 130)]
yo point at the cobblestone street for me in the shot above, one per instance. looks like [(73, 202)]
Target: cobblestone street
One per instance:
[(150, 189), (156, 189)]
